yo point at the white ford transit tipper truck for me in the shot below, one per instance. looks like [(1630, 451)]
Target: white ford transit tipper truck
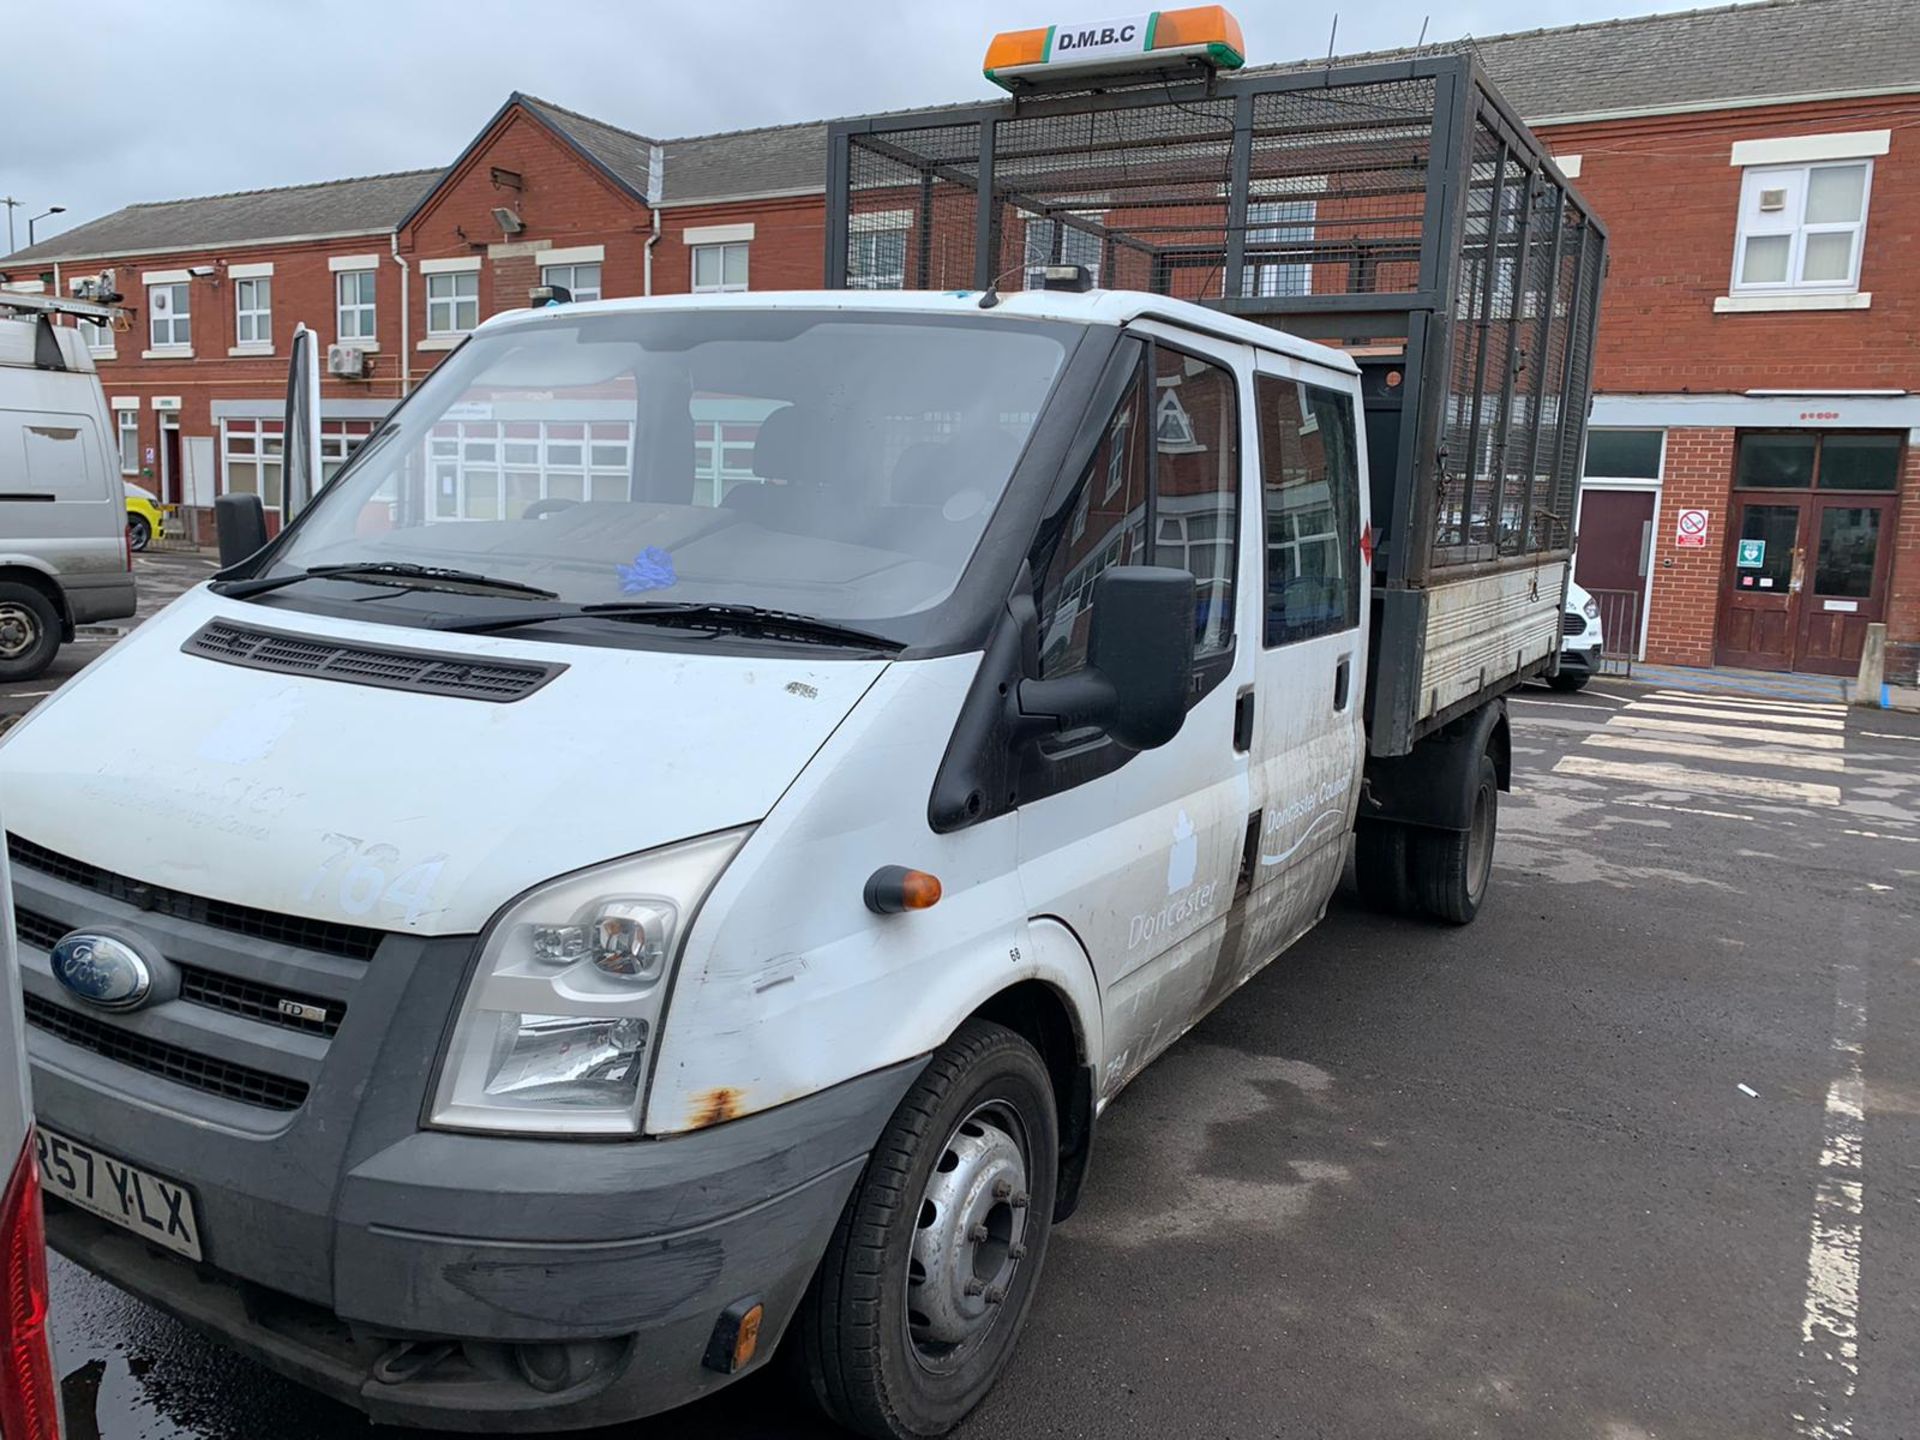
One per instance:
[(668, 856)]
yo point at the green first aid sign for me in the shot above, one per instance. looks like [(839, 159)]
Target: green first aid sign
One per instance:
[(1753, 554)]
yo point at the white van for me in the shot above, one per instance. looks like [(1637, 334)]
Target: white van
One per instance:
[(64, 559), (671, 853)]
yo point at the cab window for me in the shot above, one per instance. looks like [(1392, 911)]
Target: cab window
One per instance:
[(1310, 489)]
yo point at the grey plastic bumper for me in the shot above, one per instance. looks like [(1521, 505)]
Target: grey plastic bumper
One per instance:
[(629, 1251)]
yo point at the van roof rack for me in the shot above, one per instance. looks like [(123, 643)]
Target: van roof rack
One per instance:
[(41, 309)]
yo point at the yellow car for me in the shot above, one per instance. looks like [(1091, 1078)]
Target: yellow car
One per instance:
[(145, 524)]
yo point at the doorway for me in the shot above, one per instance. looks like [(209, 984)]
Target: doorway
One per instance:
[(1612, 561), (1811, 551)]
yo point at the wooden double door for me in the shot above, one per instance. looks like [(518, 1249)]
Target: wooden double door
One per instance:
[(1805, 575)]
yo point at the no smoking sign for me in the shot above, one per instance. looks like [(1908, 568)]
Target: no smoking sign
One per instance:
[(1690, 530)]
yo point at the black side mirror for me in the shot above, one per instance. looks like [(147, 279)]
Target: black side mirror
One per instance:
[(1139, 661), (241, 523)]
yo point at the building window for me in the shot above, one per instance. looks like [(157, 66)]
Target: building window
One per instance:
[(99, 337), (1074, 245), (719, 268), (877, 260), (127, 425), (1624, 454), (252, 311), (170, 316), (580, 281), (1802, 226), (338, 440), (493, 470), (453, 302), (250, 458), (1274, 266), (1824, 460), (353, 304)]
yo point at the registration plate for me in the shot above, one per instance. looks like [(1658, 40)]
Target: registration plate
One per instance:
[(155, 1209)]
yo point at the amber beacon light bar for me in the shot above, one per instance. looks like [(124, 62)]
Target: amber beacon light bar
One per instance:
[(1205, 35)]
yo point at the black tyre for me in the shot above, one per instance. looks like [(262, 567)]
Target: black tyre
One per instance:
[(29, 632), (1380, 867), (1450, 868), (1568, 681), (920, 1298), (139, 533)]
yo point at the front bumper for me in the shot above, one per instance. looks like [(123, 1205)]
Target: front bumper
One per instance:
[(1584, 661), (458, 1261)]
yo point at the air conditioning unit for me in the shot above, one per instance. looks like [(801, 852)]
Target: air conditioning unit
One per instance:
[(348, 362)]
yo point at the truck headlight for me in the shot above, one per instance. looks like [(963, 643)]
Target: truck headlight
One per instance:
[(562, 1014), (1593, 610)]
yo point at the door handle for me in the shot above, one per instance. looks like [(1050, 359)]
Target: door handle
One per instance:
[(1342, 683), (1243, 722)]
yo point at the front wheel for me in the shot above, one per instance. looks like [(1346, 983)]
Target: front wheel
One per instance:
[(1450, 868), (920, 1298), (139, 533)]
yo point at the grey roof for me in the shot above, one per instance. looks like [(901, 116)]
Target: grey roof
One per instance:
[(621, 153), (1684, 60), (746, 162), (370, 203)]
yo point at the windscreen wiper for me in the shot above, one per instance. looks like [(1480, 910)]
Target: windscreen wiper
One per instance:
[(384, 572), (740, 619)]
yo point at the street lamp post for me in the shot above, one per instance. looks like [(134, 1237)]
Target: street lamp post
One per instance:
[(55, 210), (12, 205)]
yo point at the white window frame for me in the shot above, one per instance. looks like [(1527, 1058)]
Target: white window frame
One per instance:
[(180, 290), (246, 288), (255, 433), (443, 311), (1277, 220), (126, 423), (722, 249), (567, 273), (1797, 180), (364, 314), (865, 234)]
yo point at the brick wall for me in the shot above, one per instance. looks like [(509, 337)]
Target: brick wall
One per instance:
[(1903, 608), (1670, 197), (1686, 583), (788, 250)]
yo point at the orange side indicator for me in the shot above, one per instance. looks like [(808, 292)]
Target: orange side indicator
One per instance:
[(894, 888)]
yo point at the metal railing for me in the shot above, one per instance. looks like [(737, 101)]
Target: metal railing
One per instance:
[(1619, 629)]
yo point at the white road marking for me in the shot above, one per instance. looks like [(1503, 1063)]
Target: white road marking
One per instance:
[(1751, 717), (1680, 777), (1694, 697), (1810, 740), (1560, 704), (1826, 760), (1887, 735), (1695, 810), (1878, 835), (1830, 1321)]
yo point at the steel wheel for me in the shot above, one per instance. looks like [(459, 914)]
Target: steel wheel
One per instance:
[(969, 1238), (20, 630)]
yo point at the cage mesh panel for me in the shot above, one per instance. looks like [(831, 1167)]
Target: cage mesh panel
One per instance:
[(1462, 451), (1142, 189), (1547, 471), (1337, 190), (912, 208), (1579, 380)]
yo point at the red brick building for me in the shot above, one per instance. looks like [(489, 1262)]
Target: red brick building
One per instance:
[(1758, 167)]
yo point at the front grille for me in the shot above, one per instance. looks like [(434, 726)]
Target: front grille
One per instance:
[(422, 671), (197, 1072), (215, 991), (259, 1002), (1572, 623), (352, 942)]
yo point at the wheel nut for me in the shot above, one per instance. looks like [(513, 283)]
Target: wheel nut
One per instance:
[(976, 1287), (1017, 1252), (978, 1234), (996, 1294), (1021, 1201), (1002, 1188)]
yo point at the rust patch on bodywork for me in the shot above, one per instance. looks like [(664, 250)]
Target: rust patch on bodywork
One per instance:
[(715, 1106)]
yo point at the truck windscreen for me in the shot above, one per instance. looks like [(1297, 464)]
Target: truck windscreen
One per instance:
[(832, 464)]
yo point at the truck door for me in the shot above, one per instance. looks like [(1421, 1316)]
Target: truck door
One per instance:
[(1139, 852), (1309, 653)]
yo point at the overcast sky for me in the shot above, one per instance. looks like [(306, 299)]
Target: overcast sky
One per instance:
[(128, 100)]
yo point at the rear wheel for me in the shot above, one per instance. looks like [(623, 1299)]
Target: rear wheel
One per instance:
[(29, 632), (1380, 867), (1568, 681), (139, 533), (921, 1295), (1450, 868)]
